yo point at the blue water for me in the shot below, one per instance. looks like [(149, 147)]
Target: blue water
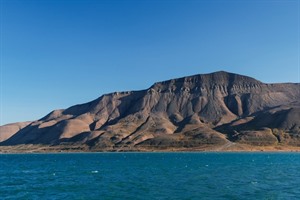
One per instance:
[(150, 176)]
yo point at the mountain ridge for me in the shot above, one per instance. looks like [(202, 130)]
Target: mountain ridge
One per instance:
[(192, 111)]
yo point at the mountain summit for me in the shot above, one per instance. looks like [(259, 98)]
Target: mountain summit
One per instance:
[(194, 112)]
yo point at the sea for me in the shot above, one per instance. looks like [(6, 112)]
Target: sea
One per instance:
[(188, 175)]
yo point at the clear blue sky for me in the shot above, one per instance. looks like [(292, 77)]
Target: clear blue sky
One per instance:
[(57, 53)]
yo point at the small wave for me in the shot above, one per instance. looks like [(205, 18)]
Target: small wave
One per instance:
[(94, 172)]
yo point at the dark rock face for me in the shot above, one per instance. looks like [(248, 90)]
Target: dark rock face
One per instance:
[(208, 109)]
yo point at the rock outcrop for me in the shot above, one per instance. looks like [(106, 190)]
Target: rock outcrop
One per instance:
[(189, 112)]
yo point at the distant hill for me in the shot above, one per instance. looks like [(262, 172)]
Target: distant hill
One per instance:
[(220, 109)]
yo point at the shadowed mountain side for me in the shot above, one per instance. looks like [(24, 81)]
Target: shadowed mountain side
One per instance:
[(177, 112), (8, 130), (280, 124)]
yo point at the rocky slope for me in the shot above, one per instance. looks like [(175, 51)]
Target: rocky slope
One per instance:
[(191, 112)]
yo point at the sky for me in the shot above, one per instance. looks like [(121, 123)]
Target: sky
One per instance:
[(58, 53)]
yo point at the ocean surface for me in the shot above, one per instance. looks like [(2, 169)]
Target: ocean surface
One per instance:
[(150, 176)]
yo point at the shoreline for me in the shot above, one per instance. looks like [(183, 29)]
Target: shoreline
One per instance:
[(37, 148)]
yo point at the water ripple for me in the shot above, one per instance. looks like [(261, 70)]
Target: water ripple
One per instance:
[(150, 176)]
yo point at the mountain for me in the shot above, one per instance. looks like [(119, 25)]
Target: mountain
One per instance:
[(219, 109)]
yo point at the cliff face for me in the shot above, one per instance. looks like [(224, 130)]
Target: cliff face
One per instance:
[(208, 109)]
